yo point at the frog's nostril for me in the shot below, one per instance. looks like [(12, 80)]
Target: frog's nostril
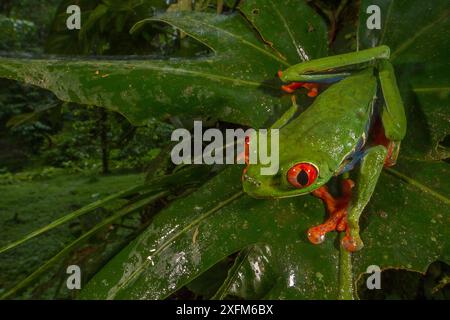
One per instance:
[(252, 181)]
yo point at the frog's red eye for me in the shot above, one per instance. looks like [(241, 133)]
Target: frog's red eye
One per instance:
[(302, 175)]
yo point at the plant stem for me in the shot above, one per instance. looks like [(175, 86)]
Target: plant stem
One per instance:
[(345, 273)]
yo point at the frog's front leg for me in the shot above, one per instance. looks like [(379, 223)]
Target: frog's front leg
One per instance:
[(337, 210), (368, 174), (312, 87)]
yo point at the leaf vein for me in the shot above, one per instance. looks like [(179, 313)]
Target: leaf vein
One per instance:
[(418, 185), (301, 54), (417, 35)]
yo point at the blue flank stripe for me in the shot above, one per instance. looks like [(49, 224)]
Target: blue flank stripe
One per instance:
[(329, 80), (359, 152), (356, 158)]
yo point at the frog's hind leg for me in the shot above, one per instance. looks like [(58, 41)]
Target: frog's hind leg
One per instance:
[(393, 115), (337, 210), (369, 172), (310, 74)]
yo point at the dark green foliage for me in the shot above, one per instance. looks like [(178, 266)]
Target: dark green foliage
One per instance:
[(76, 137), (23, 138), (106, 26), (211, 225), (27, 205), (78, 145), (24, 23), (16, 34)]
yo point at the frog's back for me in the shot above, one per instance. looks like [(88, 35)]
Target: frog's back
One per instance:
[(336, 120)]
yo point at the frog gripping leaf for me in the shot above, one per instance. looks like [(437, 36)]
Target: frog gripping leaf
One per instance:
[(357, 124)]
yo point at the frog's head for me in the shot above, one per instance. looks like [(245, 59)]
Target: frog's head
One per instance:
[(288, 75), (299, 173)]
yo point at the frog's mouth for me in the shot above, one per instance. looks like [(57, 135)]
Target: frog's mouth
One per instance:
[(253, 187), (270, 187), (267, 189)]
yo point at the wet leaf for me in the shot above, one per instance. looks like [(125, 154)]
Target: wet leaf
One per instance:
[(420, 57), (252, 275), (139, 90), (400, 229), (165, 257), (293, 30), (431, 96), (405, 222)]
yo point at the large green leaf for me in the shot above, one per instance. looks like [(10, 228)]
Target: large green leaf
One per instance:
[(292, 29), (417, 33), (404, 229), (404, 225), (156, 88), (236, 83), (196, 232)]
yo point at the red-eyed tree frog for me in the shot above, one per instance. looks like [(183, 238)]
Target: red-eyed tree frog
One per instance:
[(356, 124)]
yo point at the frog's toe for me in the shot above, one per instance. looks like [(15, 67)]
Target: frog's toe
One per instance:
[(316, 235), (352, 244), (313, 89), (342, 225), (393, 149)]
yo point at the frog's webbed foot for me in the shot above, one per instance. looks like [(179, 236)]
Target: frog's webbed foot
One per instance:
[(337, 220), (312, 87)]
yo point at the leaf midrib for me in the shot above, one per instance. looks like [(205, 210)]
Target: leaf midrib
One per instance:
[(289, 31), (430, 89), (172, 70), (418, 185)]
